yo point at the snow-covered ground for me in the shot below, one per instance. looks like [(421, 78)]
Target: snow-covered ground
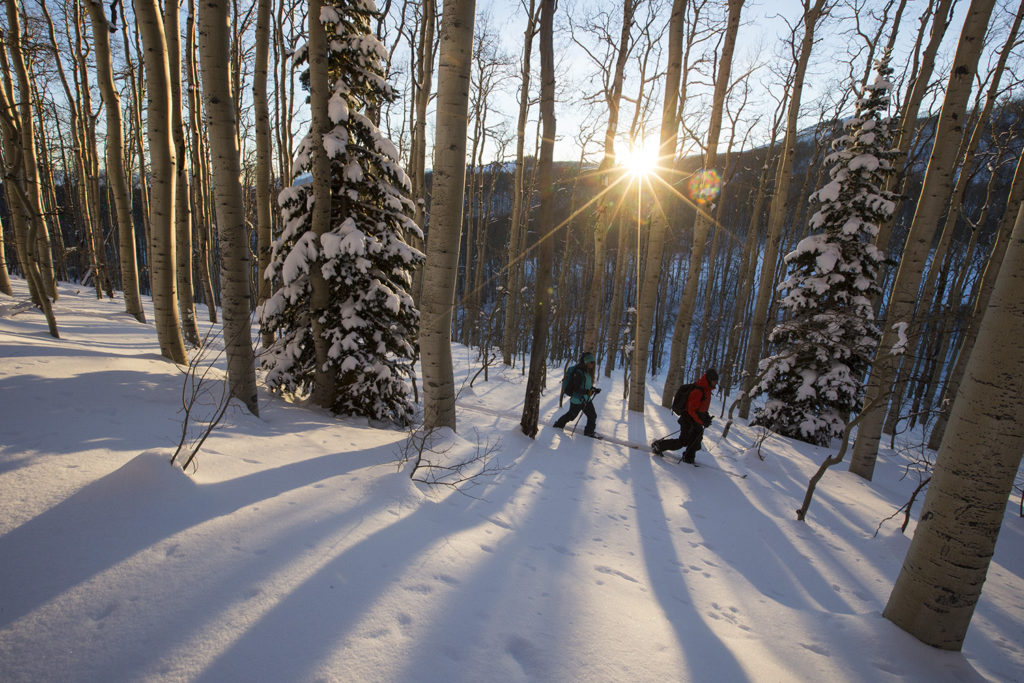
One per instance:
[(299, 550)]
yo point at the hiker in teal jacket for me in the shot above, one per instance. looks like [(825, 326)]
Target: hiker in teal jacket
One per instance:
[(581, 390)]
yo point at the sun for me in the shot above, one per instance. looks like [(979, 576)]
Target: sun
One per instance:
[(639, 160)]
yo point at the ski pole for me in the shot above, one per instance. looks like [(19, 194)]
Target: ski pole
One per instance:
[(588, 399), (671, 435), (573, 432)]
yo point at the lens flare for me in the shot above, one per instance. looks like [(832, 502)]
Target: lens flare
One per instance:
[(704, 186)]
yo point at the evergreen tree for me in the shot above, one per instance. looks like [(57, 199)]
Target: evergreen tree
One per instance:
[(371, 324), (825, 344)]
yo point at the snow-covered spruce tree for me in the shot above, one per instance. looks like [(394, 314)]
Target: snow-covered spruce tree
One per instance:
[(370, 324), (828, 336)]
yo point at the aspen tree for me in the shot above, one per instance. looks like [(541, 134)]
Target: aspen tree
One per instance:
[(991, 271), (424, 70), (441, 268), (608, 175), (648, 285), (943, 13), (264, 150), (940, 255), (182, 195), (219, 104), (19, 157), (545, 182), (514, 273), (5, 279), (944, 570), (701, 225), (117, 179), (162, 161), (202, 221), (900, 325)]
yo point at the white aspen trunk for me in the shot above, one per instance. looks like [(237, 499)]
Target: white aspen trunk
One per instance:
[(515, 266), (117, 180), (83, 130), (200, 217), (417, 155), (988, 279), (264, 150), (182, 200), (21, 160), (5, 279), (441, 267), (615, 315), (935, 193), (137, 144), (940, 254), (648, 286), (542, 282), (231, 229), (777, 214), (603, 222), (161, 153), (945, 568), (702, 223), (908, 120), (325, 381)]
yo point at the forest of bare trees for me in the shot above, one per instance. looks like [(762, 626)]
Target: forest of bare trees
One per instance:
[(145, 147)]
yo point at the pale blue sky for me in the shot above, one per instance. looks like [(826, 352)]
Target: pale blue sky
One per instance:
[(760, 41)]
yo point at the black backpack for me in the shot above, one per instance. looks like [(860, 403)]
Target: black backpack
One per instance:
[(683, 395), (571, 380)]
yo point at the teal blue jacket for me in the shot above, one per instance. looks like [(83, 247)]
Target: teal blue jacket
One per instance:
[(581, 390)]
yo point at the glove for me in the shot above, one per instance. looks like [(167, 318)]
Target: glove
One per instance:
[(706, 419), (595, 391)]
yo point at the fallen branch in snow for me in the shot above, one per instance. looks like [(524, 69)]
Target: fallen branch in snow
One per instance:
[(487, 357), (197, 388), (905, 508), (762, 437), (739, 399), (801, 512), (428, 457)]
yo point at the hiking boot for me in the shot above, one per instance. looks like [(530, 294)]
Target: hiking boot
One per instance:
[(656, 449)]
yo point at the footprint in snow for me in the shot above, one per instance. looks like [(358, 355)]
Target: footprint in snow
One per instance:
[(815, 648), (526, 655), (614, 572), (421, 588)]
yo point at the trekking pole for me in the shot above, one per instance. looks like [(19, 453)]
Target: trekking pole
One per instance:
[(672, 434), (573, 432), (588, 400)]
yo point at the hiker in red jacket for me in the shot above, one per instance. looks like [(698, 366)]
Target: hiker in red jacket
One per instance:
[(693, 420)]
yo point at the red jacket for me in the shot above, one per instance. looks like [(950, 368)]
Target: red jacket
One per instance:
[(699, 401)]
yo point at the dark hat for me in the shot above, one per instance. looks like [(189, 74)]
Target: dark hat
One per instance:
[(712, 375), (588, 357)]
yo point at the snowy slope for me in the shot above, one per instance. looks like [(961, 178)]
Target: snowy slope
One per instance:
[(299, 550)]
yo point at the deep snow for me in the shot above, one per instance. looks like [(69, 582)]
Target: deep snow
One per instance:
[(300, 551)]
